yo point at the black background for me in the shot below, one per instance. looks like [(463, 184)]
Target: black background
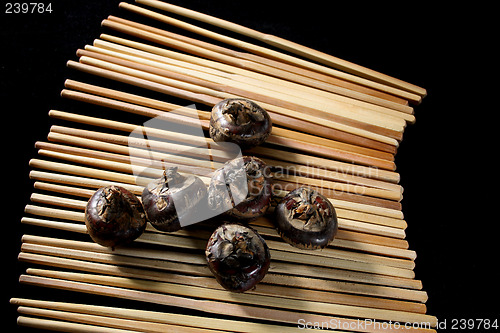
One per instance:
[(446, 160)]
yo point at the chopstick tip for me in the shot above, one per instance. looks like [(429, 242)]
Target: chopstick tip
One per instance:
[(15, 301)]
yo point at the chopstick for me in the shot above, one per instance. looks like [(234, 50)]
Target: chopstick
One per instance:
[(268, 52), (99, 322), (280, 184), (247, 299), (172, 263), (267, 229), (52, 150), (158, 36), (157, 84), (286, 45), (351, 220), (132, 108), (129, 177), (186, 285), (127, 288), (143, 316), (63, 326), (146, 106), (292, 99), (295, 275), (303, 83), (368, 247), (207, 142), (242, 75), (374, 123)]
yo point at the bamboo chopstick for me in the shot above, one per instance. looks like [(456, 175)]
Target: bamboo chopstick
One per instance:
[(210, 54), (82, 284), (282, 132), (282, 274), (338, 151), (164, 134), (182, 268), (288, 46), (162, 83), (282, 97), (197, 97), (88, 155), (63, 326), (364, 205), (122, 178), (101, 321), (150, 316), (366, 224), (267, 52), (203, 52), (332, 165), (158, 36), (291, 254), (246, 300), (79, 260), (122, 101), (241, 75), (274, 245)]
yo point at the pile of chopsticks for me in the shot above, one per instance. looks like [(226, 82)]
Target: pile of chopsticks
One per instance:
[(336, 127)]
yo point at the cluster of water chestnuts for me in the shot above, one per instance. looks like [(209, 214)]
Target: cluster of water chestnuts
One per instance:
[(239, 191)]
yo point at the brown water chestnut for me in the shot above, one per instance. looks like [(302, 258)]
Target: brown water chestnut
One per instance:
[(173, 200), (240, 121), (114, 216), (238, 257), (241, 188), (306, 219)]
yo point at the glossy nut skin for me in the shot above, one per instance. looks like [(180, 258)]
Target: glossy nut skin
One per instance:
[(114, 216), (306, 219), (238, 257), (172, 198), (241, 188), (240, 121)]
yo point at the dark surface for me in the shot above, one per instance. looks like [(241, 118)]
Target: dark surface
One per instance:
[(446, 159)]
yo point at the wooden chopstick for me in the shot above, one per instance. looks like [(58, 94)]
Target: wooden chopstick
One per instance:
[(292, 254), (63, 326), (138, 268), (186, 264), (82, 282), (128, 107), (164, 134), (51, 150), (104, 321), (329, 252), (348, 219), (245, 300), (197, 97), (247, 76), (235, 62), (161, 39), (295, 275), (389, 123), (153, 170), (120, 100), (122, 178), (269, 53), (283, 97), (288, 46), (150, 316)]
